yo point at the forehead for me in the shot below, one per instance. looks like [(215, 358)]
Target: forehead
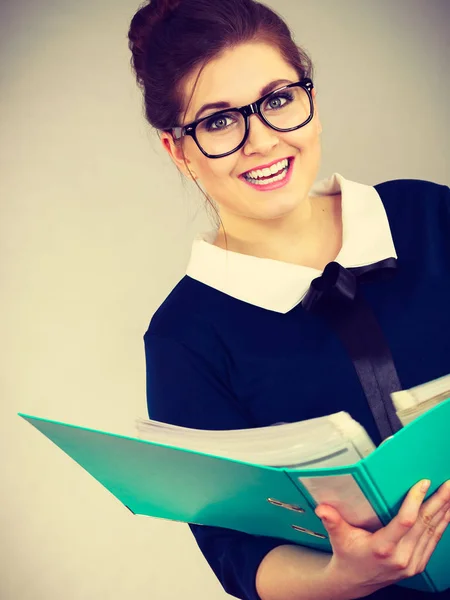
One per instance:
[(237, 76)]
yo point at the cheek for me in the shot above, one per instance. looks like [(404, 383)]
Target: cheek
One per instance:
[(304, 138), (215, 171)]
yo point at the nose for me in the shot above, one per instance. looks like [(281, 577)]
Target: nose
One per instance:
[(261, 138)]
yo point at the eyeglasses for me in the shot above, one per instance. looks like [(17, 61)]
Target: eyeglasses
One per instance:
[(286, 109)]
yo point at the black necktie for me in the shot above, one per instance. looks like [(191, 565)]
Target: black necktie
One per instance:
[(336, 296)]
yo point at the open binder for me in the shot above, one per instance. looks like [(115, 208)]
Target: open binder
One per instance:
[(163, 481)]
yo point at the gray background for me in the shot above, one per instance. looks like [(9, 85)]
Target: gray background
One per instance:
[(96, 228)]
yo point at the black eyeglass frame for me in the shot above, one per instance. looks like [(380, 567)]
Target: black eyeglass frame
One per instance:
[(246, 111)]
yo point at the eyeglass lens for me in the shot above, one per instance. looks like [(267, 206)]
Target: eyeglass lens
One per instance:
[(225, 131)]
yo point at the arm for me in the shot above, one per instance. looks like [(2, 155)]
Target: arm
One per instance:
[(295, 573)]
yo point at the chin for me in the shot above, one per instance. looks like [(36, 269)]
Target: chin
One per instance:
[(277, 208)]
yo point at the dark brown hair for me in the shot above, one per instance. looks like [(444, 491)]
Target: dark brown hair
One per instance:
[(170, 39)]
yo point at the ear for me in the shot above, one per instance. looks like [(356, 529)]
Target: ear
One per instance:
[(176, 154), (316, 112)]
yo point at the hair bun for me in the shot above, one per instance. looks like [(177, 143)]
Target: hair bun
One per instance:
[(152, 13), (141, 28), (163, 8)]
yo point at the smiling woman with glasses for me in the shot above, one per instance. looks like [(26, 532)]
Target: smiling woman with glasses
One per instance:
[(305, 299)]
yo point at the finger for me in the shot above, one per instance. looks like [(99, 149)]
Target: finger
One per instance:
[(418, 539), (424, 552), (390, 535), (326, 511), (336, 526), (426, 520), (343, 536), (329, 515)]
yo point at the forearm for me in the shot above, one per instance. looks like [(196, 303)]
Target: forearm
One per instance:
[(291, 572)]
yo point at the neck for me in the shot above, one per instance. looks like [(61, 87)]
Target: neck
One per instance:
[(310, 236)]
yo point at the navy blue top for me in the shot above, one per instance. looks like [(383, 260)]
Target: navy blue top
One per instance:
[(216, 362)]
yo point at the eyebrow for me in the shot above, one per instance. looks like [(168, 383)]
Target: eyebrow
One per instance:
[(265, 90)]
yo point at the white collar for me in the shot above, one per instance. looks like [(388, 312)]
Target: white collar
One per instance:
[(280, 286)]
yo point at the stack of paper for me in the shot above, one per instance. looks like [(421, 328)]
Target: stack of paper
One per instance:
[(332, 440), (411, 403), (324, 441)]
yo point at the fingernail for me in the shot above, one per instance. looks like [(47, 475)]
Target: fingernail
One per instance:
[(425, 485)]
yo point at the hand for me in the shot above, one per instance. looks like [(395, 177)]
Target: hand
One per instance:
[(363, 562)]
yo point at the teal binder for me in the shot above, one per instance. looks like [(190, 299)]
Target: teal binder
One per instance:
[(166, 482)]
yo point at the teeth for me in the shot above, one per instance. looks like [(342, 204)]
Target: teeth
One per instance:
[(267, 171), (263, 182), (273, 169)]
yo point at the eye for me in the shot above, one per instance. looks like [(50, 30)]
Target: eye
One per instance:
[(219, 122), (278, 101)]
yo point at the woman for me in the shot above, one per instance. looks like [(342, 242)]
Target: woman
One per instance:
[(243, 340)]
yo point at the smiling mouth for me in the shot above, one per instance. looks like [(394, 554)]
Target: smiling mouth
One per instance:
[(270, 174)]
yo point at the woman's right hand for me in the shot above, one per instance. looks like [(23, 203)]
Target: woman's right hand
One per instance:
[(363, 562)]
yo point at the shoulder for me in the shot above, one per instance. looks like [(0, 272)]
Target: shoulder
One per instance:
[(418, 213), (414, 186), (182, 304), (407, 191), (191, 314), (407, 201)]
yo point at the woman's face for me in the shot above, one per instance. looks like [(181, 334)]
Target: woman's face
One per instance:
[(238, 77)]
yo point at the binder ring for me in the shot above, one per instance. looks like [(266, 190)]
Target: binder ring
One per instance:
[(309, 532), (293, 507)]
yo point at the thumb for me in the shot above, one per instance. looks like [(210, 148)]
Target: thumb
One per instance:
[(336, 526)]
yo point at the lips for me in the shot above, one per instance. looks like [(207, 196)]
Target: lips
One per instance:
[(267, 166), (267, 184)]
